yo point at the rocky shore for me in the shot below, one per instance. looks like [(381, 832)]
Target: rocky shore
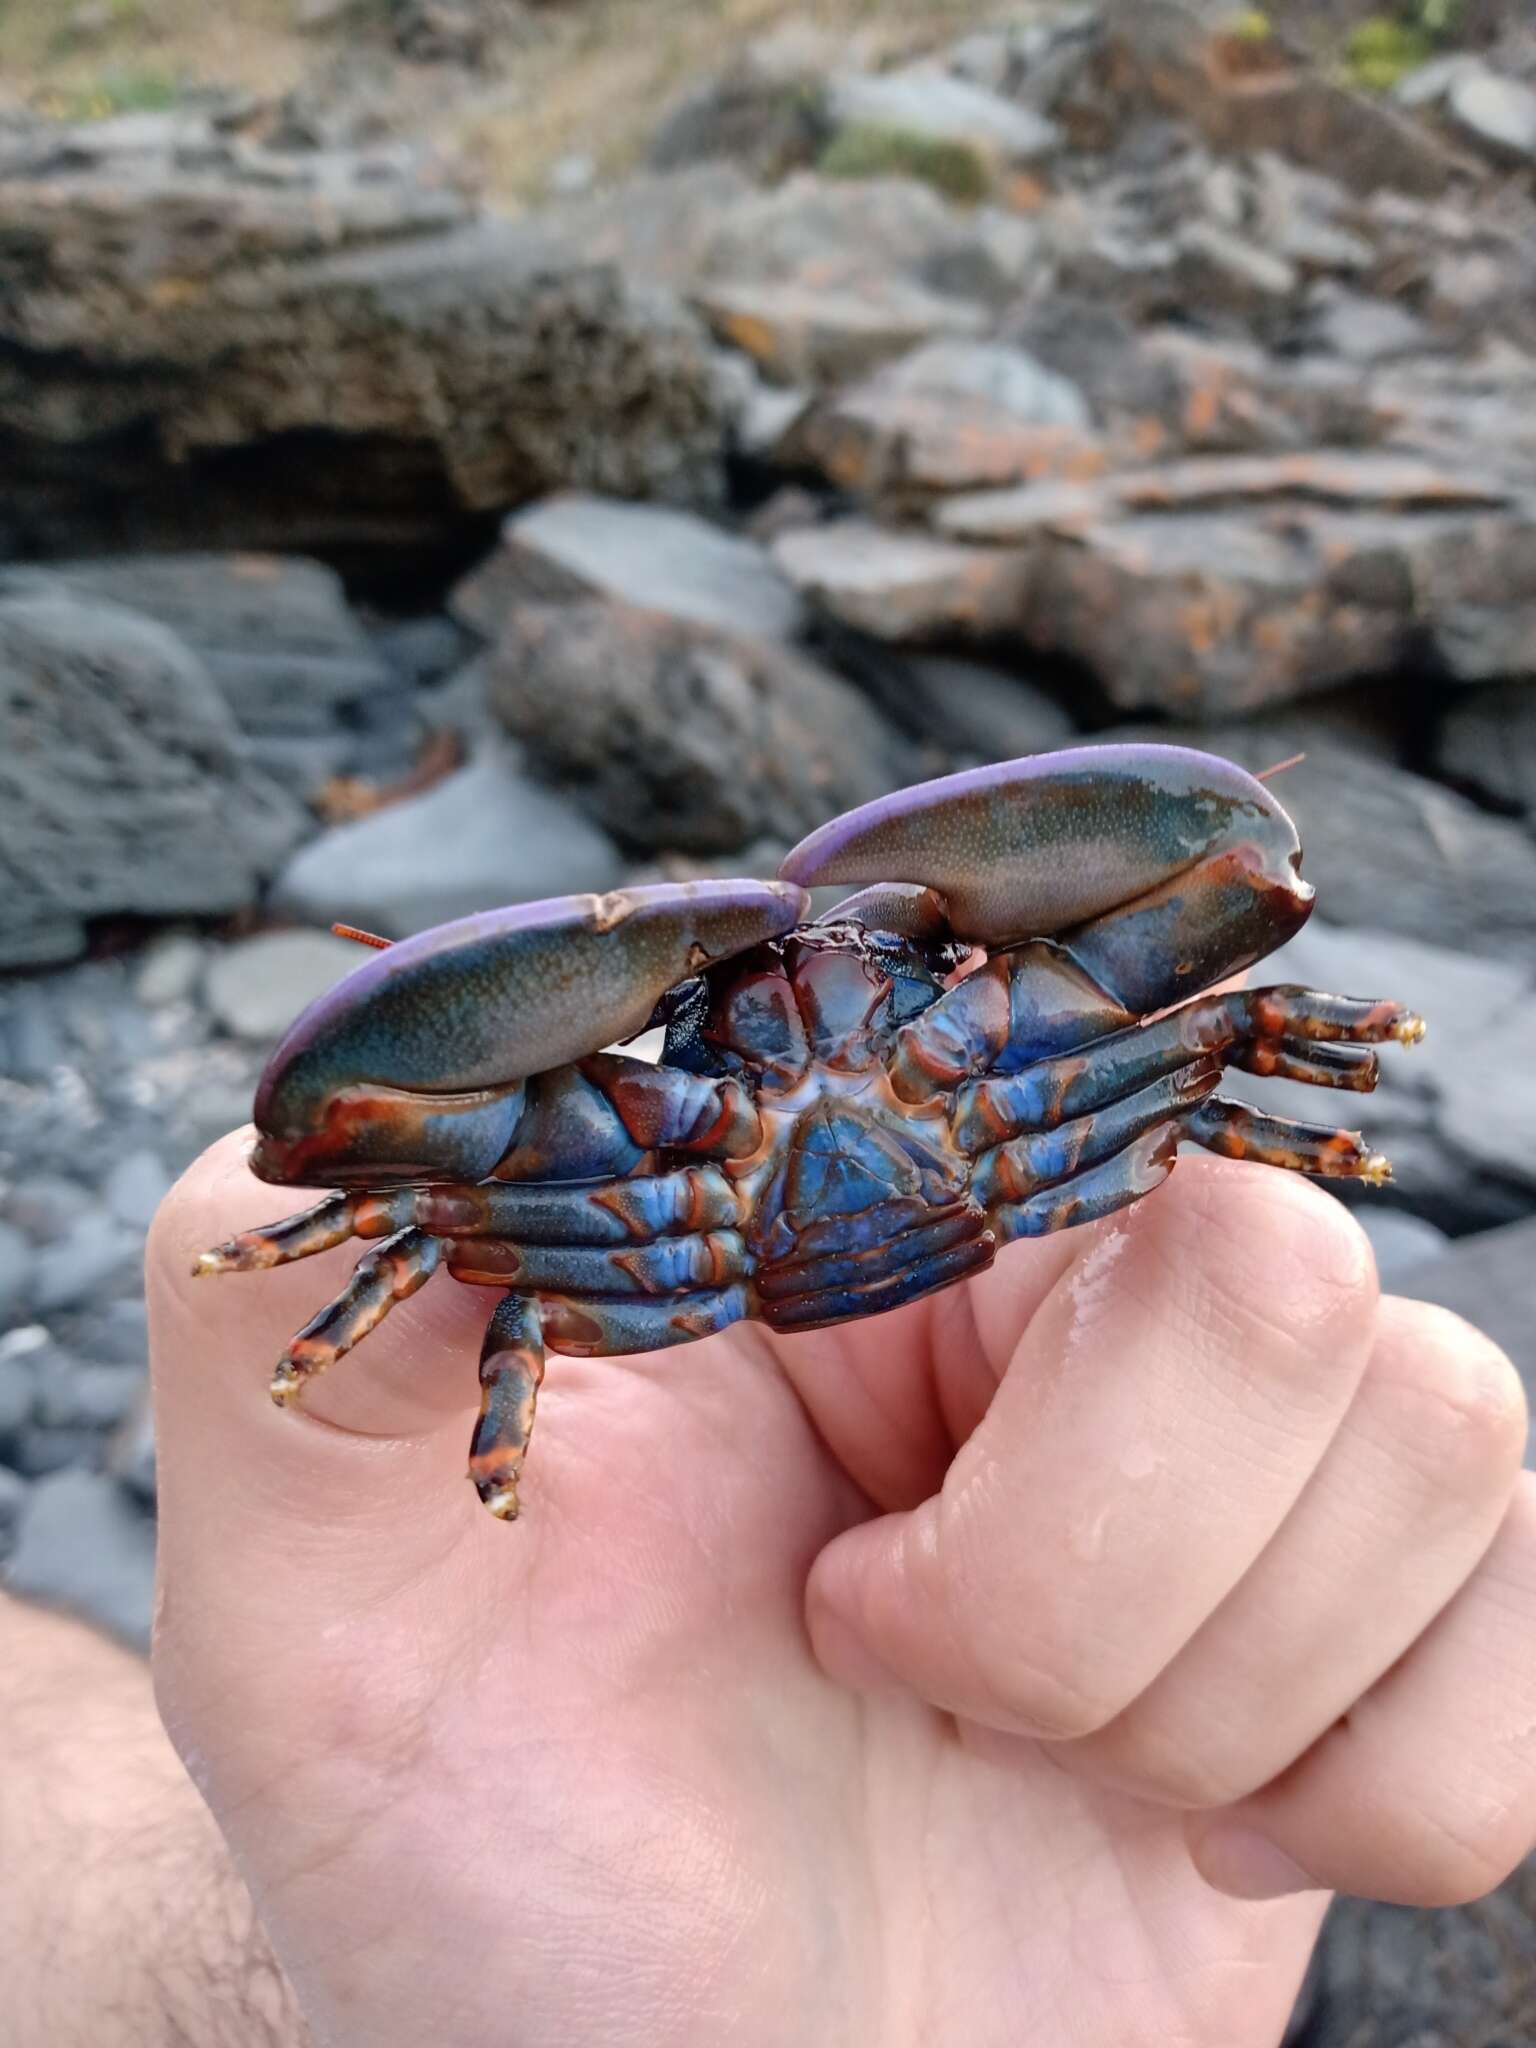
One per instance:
[(367, 556)]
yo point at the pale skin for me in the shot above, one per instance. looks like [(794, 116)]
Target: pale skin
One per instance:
[(1022, 1665)]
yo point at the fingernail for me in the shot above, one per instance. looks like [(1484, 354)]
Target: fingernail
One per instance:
[(846, 1657), (1247, 1865)]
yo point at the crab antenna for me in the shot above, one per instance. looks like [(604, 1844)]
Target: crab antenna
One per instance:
[(1291, 761), (350, 931)]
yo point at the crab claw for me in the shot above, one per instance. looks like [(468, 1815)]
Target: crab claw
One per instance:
[(1040, 846), (412, 1067)]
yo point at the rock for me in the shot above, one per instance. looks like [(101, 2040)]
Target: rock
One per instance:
[(1217, 268), (1489, 1110), (284, 351), (96, 1251), (19, 1350), (571, 175), (122, 787), (16, 1257), (422, 651), (81, 1545), (1371, 558), (13, 1495), (821, 335), (44, 1205), (753, 115), (953, 415), (574, 546), (1498, 114), (923, 99), (1156, 55), (256, 987), (1403, 1243), (318, 17), (1487, 743), (824, 279), (169, 970), (1362, 329), (905, 586), (135, 1187), (39, 1451), (275, 635), (483, 837), (675, 735), (440, 31), (972, 713), (75, 1396), (1487, 1279)]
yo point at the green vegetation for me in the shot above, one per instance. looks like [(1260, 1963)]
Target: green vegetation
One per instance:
[(129, 90), (1251, 26), (1382, 51), (951, 168)]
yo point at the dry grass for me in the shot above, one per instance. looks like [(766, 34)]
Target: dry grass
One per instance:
[(590, 76)]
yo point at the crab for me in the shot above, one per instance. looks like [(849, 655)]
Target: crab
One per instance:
[(1004, 1032)]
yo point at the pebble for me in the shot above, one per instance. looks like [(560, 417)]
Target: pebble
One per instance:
[(257, 987), (13, 1494), (82, 1545), (922, 99), (486, 836), (131, 1453), (169, 969), (16, 1258), (75, 1396), (136, 1186), (94, 1252), (1499, 113)]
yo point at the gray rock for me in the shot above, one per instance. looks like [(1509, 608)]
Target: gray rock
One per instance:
[(131, 1453), (257, 987), (135, 1186), (16, 1257), (1489, 1107), (13, 1495), (1217, 267), (19, 1351), (422, 650), (1403, 1243), (308, 354), (96, 1251), (39, 1450), (1499, 114), (122, 787), (1488, 1279), (274, 633), (752, 115), (674, 735), (973, 713), (821, 334), (75, 1396), (575, 545), (481, 838), (1487, 742), (905, 586), (170, 969), (117, 1334), (996, 373), (83, 1546), (922, 99), (1363, 329), (44, 1205)]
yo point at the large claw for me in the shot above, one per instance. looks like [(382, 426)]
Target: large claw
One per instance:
[(1031, 848), (411, 1068)]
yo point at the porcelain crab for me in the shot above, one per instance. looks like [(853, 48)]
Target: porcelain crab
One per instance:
[(1001, 1033)]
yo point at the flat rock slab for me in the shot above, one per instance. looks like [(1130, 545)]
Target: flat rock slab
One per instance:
[(674, 735), (575, 545), (802, 333), (248, 349), (1488, 1279), (256, 987), (123, 785), (486, 836), (275, 633), (922, 99), (905, 585)]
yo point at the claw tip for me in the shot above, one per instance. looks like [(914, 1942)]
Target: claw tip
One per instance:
[(502, 1502), (286, 1387), (1377, 1170)]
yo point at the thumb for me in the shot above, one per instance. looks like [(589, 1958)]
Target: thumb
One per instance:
[(284, 1515)]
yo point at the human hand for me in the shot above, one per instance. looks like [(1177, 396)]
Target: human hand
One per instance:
[(950, 1677)]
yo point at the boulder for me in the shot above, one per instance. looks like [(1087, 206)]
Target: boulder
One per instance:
[(123, 787), (275, 634), (575, 545), (926, 100), (256, 987), (231, 346), (969, 712), (905, 585), (485, 836), (1487, 1279), (673, 734), (1487, 744)]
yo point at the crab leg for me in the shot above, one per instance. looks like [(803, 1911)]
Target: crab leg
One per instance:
[(1290, 1031), (511, 1373), (1015, 1171), (1113, 1184), (1239, 1132), (391, 1272)]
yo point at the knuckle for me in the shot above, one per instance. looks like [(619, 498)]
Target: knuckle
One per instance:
[(1456, 1405)]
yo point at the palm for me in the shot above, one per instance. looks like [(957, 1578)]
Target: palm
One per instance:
[(584, 1778)]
